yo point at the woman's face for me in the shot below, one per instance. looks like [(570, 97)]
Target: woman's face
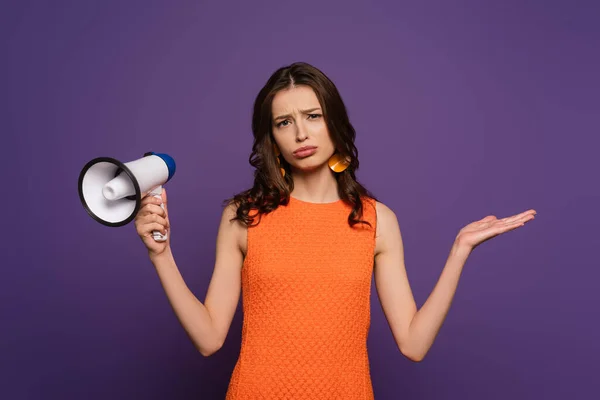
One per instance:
[(298, 122)]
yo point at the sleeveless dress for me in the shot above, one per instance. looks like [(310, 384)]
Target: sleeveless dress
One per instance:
[(306, 285)]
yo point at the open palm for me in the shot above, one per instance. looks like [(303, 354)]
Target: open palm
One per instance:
[(480, 231)]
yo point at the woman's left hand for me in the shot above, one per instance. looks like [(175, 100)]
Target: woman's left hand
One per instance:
[(480, 231)]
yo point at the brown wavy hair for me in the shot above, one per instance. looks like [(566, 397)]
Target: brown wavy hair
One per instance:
[(270, 188)]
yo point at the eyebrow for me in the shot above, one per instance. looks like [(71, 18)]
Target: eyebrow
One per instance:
[(302, 111)]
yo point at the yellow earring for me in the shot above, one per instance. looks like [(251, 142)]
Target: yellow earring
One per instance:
[(277, 154), (337, 163)]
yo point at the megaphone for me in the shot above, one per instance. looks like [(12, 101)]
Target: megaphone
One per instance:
[(112, 191)]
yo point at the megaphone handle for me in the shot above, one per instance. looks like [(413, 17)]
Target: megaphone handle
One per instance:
[(157, 192)]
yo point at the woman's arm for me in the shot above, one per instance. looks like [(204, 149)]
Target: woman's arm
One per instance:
[(414, 330), (207, 324)]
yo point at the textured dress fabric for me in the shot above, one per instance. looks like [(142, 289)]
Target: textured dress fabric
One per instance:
[(306, 286)]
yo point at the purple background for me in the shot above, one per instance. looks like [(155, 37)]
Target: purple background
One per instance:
[(462, 109)]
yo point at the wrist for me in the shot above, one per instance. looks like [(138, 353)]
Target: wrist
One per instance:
[(460, 249), (164, 255)]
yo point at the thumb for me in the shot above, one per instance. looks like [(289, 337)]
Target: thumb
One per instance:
[(163, 196)]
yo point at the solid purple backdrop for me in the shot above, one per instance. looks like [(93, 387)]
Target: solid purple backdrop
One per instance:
[(461, 109)]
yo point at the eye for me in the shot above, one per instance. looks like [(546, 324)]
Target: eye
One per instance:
[(281, 123), (314, 115)]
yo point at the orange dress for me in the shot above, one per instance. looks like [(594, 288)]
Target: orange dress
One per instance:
[(306, 285)]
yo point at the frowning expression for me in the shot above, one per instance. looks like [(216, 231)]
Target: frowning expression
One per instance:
[(298, 123)]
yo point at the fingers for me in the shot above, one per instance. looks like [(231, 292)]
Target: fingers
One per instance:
[(523, 217), (151, 208), (164, 200), (154, 226), (151, 213), (151, 218), (524, 214), (150, 223), (150, 199)]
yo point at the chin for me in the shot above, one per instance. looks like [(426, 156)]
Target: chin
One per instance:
[(310, 165)]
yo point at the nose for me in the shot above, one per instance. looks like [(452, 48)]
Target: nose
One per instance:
[(300, 132)]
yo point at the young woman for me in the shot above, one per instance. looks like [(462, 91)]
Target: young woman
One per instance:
[(303, 243)]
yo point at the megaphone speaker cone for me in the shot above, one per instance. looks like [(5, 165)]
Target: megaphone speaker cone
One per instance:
[(109, 191)]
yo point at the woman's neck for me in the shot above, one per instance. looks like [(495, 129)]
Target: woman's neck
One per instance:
[(316, 186)]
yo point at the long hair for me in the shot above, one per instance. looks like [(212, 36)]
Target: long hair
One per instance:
[(270, 188)]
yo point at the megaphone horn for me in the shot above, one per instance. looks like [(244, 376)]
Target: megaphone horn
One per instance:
[(111, 191)]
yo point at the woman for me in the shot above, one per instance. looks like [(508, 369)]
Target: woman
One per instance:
[(303, 243)]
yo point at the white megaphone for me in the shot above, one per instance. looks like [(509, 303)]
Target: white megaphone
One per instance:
[(111, 191)]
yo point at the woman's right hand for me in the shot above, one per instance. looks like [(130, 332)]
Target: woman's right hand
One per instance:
[(151, 217)]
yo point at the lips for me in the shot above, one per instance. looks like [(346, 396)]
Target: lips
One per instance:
[(304, 149)]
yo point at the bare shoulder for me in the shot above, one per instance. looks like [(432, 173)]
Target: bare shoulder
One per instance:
[(234, 228), (387, 226), (385, 217)]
